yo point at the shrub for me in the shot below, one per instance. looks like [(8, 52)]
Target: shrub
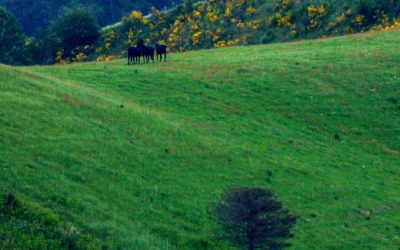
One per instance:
[(252, 217)]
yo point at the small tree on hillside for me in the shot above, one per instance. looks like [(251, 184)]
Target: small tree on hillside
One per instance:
[(76, 27), (253, 218)]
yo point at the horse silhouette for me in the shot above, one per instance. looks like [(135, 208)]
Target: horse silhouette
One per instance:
[(133, 55), (147, 53), (161, 50)]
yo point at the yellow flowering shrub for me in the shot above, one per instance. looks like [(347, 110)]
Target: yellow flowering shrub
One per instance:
[(340, 18), (270, 20), (233, 42), (250, 11), (59, 55), (282, 5), (196, 14), (164, 31), (321, 10), (240, 24), (359, 20), (136, 14), (216, 35), (312, 11), (220, 44), (162, 42), (228, 9), (315, 15), (109, 38), (382, 18), (254, 24), (107, 46), (63, 62), (106, 58), (194, 26), (284, 21), (212, 17), (236, 21), (394, 25), (145, 21), (195, 37), (130, 37), (80, 57)]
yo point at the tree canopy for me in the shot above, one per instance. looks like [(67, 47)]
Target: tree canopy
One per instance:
[(253, 218), (11, 38), (33, 14)]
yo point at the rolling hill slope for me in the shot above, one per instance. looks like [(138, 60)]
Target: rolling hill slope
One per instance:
[(135, 156)]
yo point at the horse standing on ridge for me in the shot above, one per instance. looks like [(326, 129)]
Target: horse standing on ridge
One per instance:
[(161, 50), (136, 53), (149, 53), (133, 55), (141, 50)]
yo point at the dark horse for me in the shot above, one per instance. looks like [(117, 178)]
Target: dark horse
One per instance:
[(133, 55), (161, 50), (149, 54), (136, 53)]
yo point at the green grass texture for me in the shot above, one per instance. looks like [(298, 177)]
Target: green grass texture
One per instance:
[(137, 156)]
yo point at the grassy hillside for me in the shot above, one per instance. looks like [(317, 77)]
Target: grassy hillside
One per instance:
[(135, 156)]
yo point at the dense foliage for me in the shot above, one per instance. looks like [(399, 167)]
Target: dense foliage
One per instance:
[(33, 14), (226, 23), (253, 218), (209, 24), (76, 28), (231, 22), (11, 38)]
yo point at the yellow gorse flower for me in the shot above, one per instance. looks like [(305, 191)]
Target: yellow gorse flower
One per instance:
[(340, 18), (220, 44), (250, 10), (136, 14), (196, 14), (80, 57), (196, 37)]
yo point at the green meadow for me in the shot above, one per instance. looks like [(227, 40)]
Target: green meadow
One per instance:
[(135, 157)]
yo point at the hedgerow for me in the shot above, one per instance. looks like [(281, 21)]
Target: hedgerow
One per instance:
[(223, 23)]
